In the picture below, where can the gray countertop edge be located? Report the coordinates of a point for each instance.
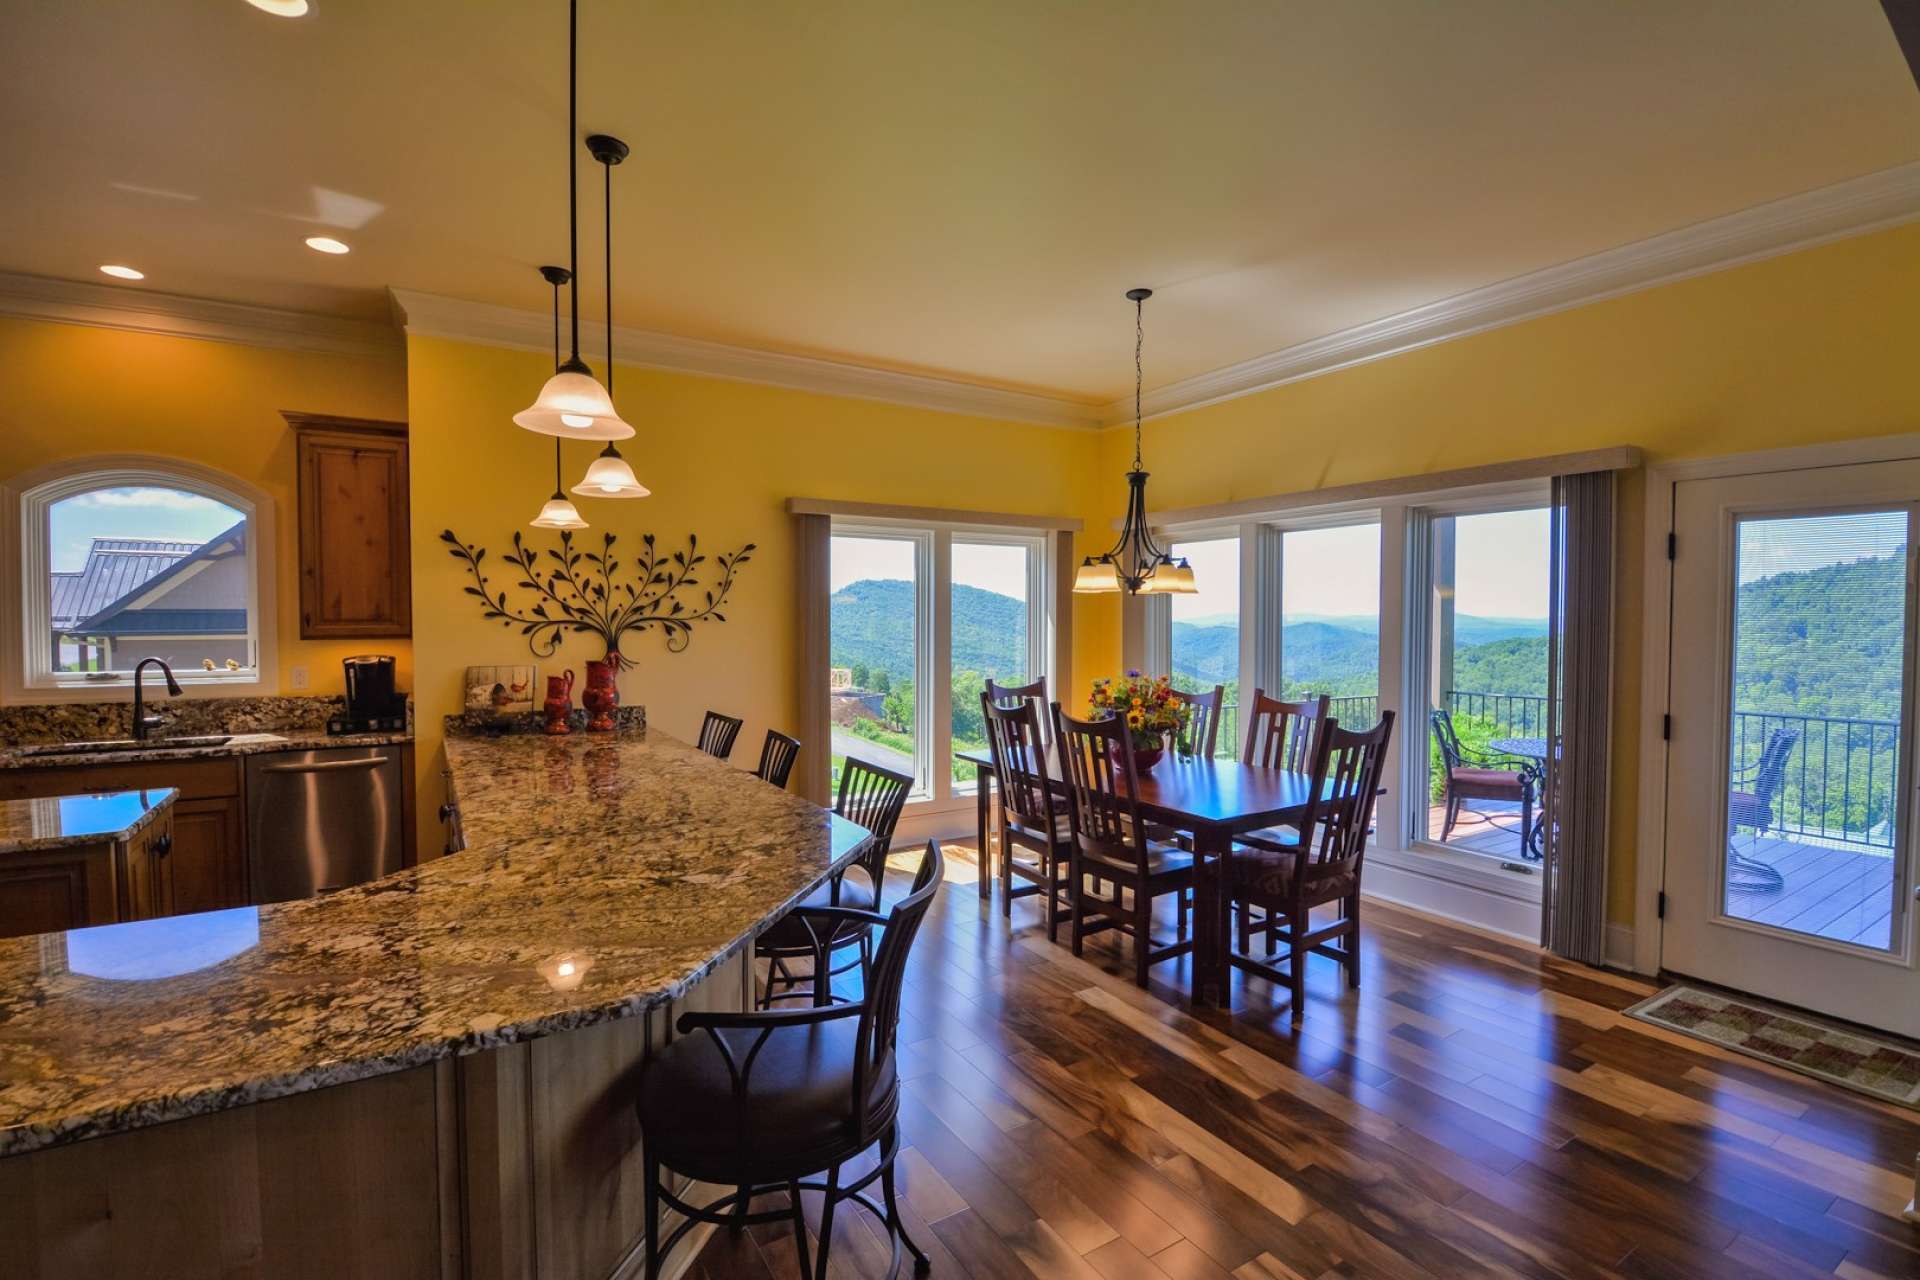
(11, 757)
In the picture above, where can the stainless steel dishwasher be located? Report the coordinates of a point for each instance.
(322, 820)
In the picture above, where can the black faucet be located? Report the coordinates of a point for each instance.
(143, 724)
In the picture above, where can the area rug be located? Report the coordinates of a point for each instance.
(1880, 1067)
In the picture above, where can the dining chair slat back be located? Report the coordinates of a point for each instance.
(717, 733)
(873, 797)
(1097, 757)
(1018, 750)
(1282, 734)
(1347, 768)
(1202, 734)
(777, 755)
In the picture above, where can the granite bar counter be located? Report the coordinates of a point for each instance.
(64, 822)
(498, 993)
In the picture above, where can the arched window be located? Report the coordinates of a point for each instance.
(124, 559)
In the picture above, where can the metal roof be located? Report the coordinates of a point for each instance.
(105, 620)
(114, 567)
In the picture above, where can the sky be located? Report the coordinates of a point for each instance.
(1799, 543)
(999, 568)
(131, 513)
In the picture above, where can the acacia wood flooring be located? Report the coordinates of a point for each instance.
(1476, 1109)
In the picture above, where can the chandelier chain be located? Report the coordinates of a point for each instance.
(1139, 338)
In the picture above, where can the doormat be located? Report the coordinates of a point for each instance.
(1880, 1067)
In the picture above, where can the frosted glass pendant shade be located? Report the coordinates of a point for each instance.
(610, 477)
(559, 513)
(574, 406)
(1170, 580)
(1096, 576)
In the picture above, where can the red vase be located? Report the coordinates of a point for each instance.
(602, 695)
(1144, 758)
(559, 705)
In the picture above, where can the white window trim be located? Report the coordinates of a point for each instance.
(25, 654)
(936, 794)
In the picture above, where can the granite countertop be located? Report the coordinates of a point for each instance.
(242, 744)
(64, 821)
(602, 876)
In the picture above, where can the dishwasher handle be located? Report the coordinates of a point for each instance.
(326, 766)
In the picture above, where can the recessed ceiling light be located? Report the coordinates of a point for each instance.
(124, 273)
(281, 8)
(326, 244)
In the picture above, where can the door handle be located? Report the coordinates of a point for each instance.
(326, 766)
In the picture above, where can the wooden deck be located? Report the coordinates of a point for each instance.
(1831, 893)
(1841, 894)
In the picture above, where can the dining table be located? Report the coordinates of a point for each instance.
(1214, 800)
(1534, 750)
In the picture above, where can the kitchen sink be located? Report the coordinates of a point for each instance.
(109, 745)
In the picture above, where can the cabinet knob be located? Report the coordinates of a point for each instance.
(162, 846)
(447, 811)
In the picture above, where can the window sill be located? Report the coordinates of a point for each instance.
(1469, 870)
(197, 685)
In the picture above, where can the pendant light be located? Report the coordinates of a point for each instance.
(572, 403)
(559, 512)
(609, 476)
(1136, 564)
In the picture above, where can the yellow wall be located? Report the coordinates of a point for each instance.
(1814, 346)
(722, 458)
(70, 391)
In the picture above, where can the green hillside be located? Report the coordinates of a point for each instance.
(873, 627)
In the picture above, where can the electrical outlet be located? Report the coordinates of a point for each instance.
(296, 677)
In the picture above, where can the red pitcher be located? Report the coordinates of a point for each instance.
(559, 703)
(602, 695)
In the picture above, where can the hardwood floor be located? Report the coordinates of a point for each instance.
(1476, 1109)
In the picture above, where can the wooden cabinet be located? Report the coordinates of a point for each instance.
(149, 872)
(47, 891)
(207, 861)
(355, 555)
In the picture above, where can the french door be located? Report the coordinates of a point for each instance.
(1789, 863)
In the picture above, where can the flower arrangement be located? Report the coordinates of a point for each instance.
(1146, 703)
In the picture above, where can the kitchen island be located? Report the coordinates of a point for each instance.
(73, 860)
(430, 1074)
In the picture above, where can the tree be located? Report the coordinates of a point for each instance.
(861, 674)
(882, 682)
(968, 724)
(898, 707)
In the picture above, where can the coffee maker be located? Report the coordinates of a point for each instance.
(373, 704)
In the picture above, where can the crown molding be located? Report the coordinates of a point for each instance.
(137, 310)
(1860, 205)
(436, 316)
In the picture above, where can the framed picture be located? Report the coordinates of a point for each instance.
(505, 690)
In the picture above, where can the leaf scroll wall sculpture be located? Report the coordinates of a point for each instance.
(576, 590)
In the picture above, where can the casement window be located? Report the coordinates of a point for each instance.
(116, 561)
(920, 617)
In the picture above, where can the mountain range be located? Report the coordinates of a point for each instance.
(1824, 642)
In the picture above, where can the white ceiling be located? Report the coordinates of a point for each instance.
(959, 189)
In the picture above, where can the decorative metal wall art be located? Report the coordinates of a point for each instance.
(577, 590)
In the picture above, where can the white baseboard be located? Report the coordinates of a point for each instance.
(1469, 904)
(1620, 947)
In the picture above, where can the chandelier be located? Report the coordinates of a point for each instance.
(1136, 564)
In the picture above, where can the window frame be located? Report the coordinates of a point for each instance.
(26, 673)
(1402, 682)
(935, 791)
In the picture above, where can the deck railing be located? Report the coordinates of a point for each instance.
(1840, 782)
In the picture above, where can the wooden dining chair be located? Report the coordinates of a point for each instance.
(1112, 857)
(777, 755)
(1202, 735)
(871, 797)
(1322, 867)
(1033, 691)
(1031, 818)
(717, 733)
(1280, 734)
(766, 1102)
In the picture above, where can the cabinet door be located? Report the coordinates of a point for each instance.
(50, 890)
(207, 866)
(355, 557)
